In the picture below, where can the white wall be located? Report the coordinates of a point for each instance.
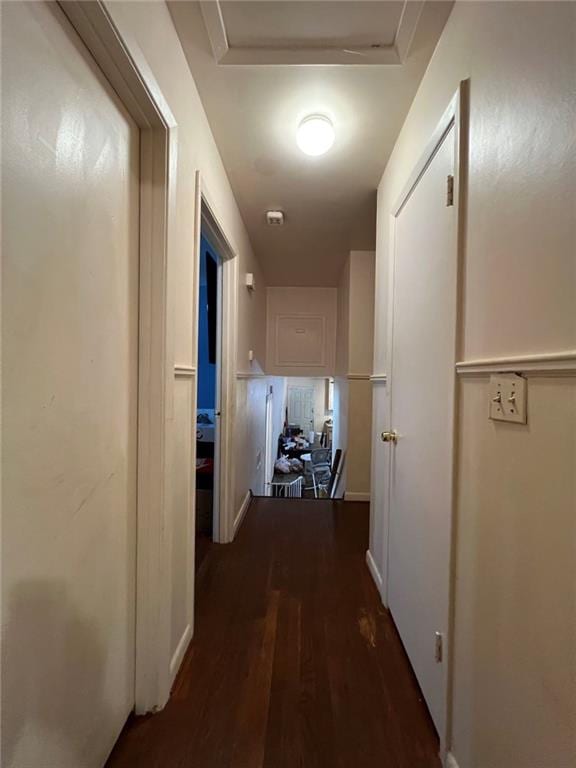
(301, 331)
(514, 682)
(352, 386)
(249, 459)
(150, 35)
(361, 308)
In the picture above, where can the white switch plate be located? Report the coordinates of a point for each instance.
(508, 398)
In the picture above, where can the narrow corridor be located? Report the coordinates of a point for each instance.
(294, 661)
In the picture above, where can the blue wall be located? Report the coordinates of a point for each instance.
(206, 370)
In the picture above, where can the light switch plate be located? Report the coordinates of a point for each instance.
(508, 398)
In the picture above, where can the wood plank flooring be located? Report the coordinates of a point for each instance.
(294, 663)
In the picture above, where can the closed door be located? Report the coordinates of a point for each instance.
(422, 406)
(70, 355)
(301, 407)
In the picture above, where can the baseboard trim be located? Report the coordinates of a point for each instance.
(180, 651)
(374, 572)
(353, 496)
(241, 513)
(450, 761)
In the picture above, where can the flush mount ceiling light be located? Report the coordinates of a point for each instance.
(315, 135)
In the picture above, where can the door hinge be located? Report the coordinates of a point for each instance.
(449, 191)
(439, 647)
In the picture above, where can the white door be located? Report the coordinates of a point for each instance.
(301, 407)
(70, 158)
(422, 413)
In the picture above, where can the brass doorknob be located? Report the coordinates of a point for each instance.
(389, 437)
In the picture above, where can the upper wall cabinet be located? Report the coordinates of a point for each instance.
(301, 331)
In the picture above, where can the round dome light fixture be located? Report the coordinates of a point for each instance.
(315, 135)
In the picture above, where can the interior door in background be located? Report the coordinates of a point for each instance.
(301, 407)
(70, 356)
(422, 408)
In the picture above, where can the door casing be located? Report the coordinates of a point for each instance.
(455, 116)
(207, 221)
(269, 442)
(131, 78)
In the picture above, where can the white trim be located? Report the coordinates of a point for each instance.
(129, 74)
(374, 572)
(214, 21)
(450, 761)
(448, 120)
(242, 512)
(454, 117)
(181, 649)
(356, 496)
(208, 220)
(244, 375)
(184, 371)
(391, 55)
(407, 27)
(550, 363)
(379, 377)
(358, 376)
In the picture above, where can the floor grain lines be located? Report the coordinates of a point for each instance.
(295, 663)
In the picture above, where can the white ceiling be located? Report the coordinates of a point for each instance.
(254, 110)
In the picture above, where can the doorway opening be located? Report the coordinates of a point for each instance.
(215, 321)
(300, 461)
(208, 394)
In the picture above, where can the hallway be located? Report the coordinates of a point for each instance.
(294, 661)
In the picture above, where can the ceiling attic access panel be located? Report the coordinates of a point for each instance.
(347, 32)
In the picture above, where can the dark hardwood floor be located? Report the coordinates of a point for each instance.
(294, 662)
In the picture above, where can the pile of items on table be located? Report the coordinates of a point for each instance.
(302, 465)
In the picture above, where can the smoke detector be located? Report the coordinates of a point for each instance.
(275, 218)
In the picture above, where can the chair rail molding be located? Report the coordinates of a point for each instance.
(379, 378)
(251, 375)
(184, 371)
(544, 364)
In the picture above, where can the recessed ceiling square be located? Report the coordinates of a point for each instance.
(289, 24)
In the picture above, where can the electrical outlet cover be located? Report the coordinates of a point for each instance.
(508, 398)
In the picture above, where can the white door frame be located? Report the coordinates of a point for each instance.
(129, 74)
(455, 116)
(269, 441)
(207, 220)
(312, 388)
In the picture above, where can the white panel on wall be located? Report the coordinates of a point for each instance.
(301, 331)
(300, 340)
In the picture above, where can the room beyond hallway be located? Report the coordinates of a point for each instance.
(294, 662)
